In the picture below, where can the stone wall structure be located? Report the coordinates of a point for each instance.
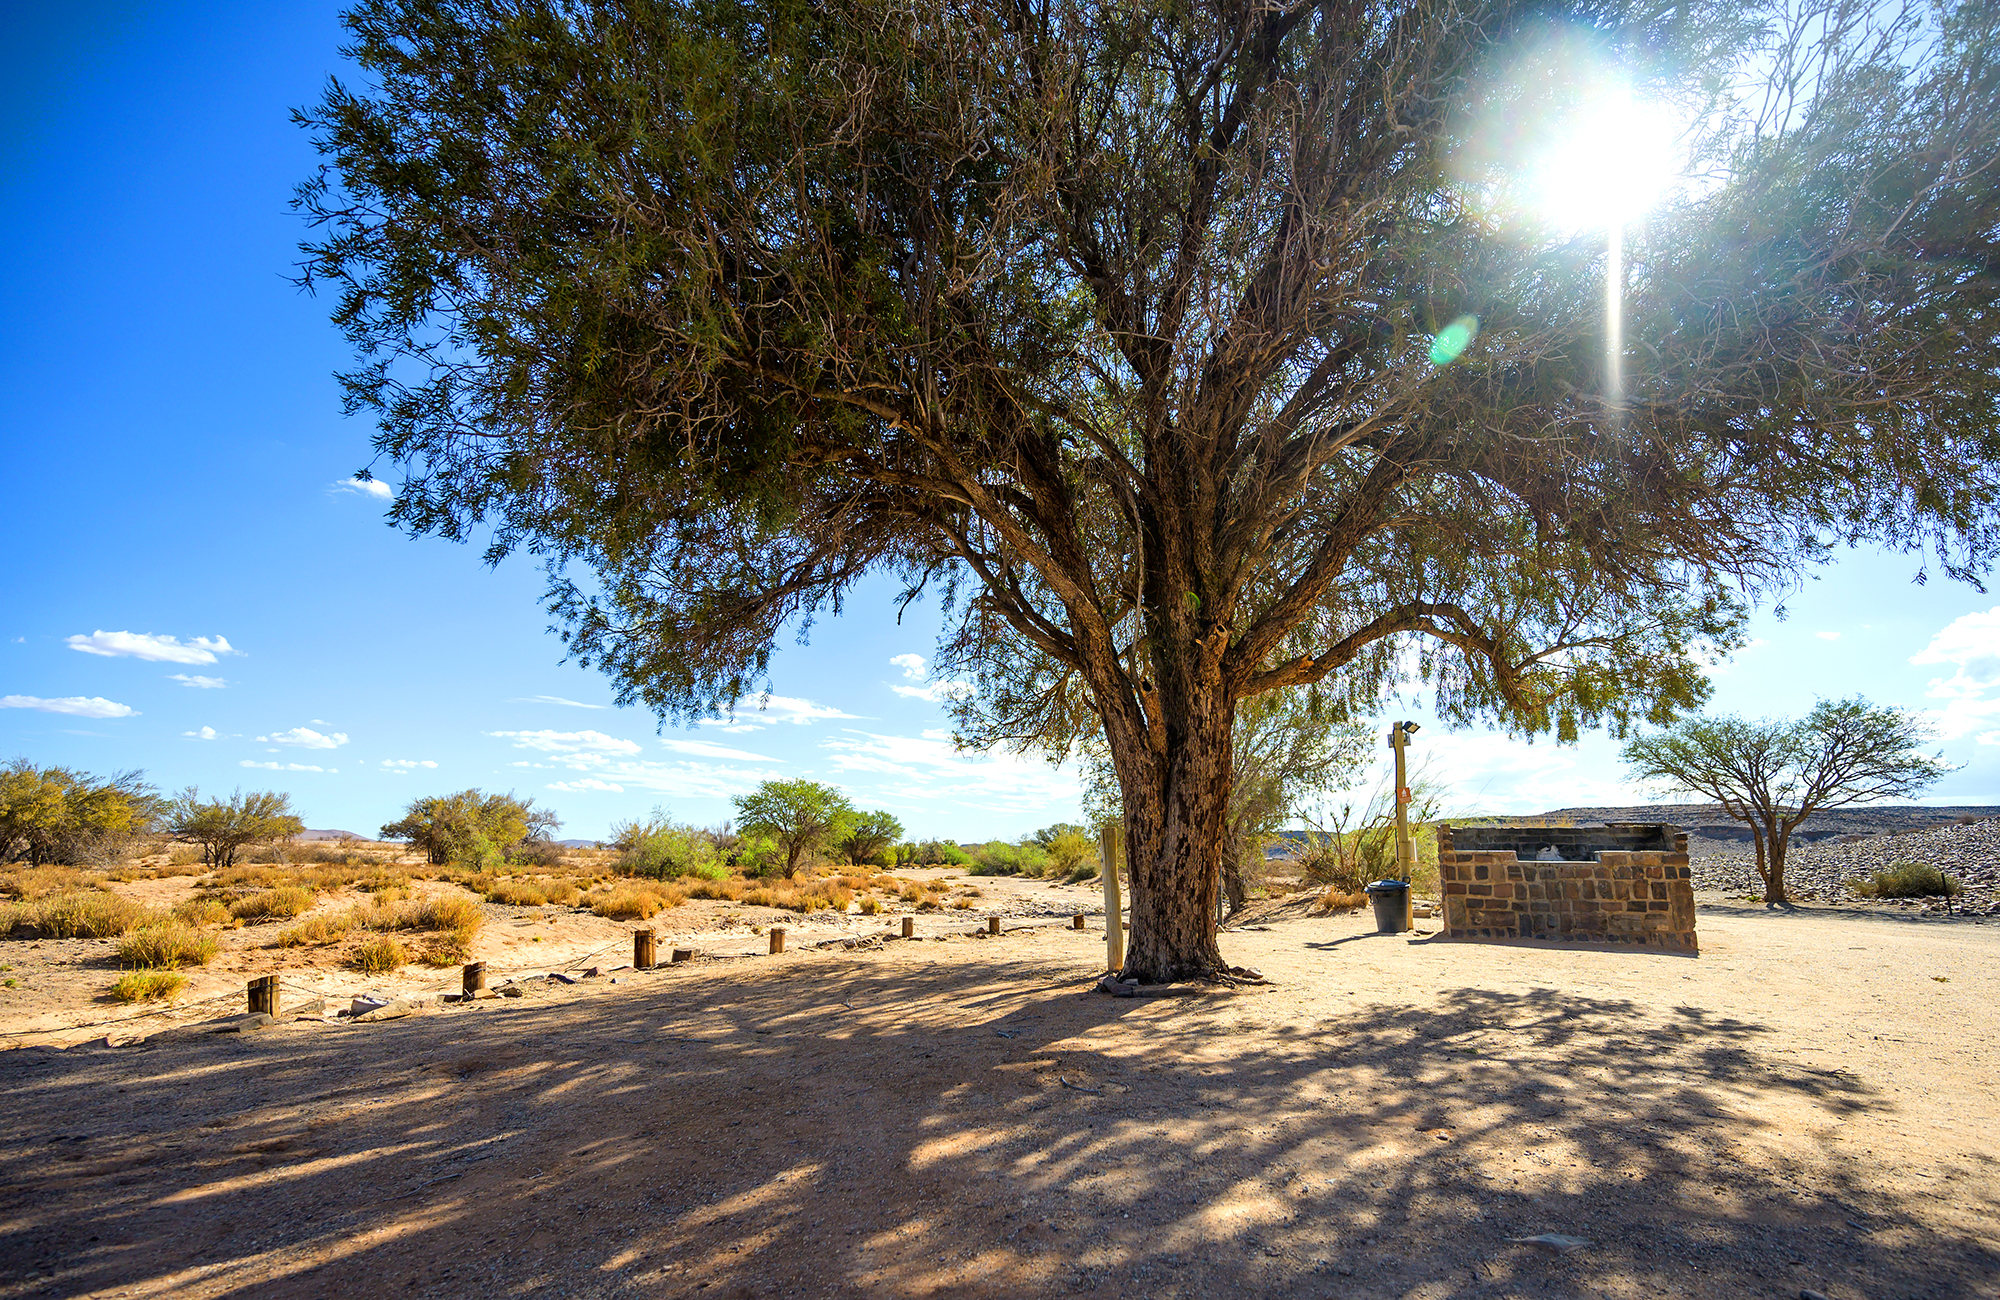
(1623, 883)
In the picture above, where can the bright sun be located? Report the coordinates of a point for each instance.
(1601, 163)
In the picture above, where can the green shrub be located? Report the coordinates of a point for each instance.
(379, 955)
(148, 985)
(166, 946)
(1908, 880)
(662, 850)
(285, 901)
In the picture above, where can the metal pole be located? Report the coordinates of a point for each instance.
(1109, 841)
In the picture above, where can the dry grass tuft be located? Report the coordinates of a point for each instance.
(84, 914)
(148, 985)
(633, 903)
(324, 928)
(284, 901)
(203, 910)
(870, 905)
(534, 892)
(449, 949)
(379, 955)
(1337, 899)
(29, 883)
(166, 946)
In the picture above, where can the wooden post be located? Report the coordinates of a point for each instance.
(474, 977)
(264, 995)
(642, 950)
(1076, 922)
(909, 927)
(777, 938)
(1109, 842)
(992, 925)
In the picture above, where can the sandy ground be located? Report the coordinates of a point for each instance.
(1808, 1104)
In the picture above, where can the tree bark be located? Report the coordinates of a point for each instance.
(1176, 826)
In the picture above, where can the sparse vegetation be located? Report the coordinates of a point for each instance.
(202, 909)
(324, 928)
(166, 946)
(1907, 880)
(531, 892)
(284, 901)
(83, 914)
(380, 955)
(471, 827)
(224, 827)
(631, 903)
(146, 985)
(57, 815)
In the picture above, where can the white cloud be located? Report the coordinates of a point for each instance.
(703, 749)
(81, 706)
(1970, 644)
(933, 691)
(407, 763)
(367, 487)
(677, 780)
(738, 728)
(1487, 772)
(1827, 636)
(586, 784)
(305, 738)
(786, 708)
(159, 649)
(568, 742)
(206, 733)
(552, 699)
(925, 771)
(198, 681)
(285, 767)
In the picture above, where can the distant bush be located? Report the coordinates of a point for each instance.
(534, 893)
(442, 912)
(285, 901)
(148, 985)
(1908, 880)
(633, 904)
(660, 849)
(999, 858)
(166, 946)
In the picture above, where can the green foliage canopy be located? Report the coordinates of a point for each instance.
(57, 815)
(801, 815)
(224, 826)
(471, 826)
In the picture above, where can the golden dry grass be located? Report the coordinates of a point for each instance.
(324, 928)
(284, 901)
(28, 883)
(166, 946)
(379, 955)
(203, 910)
(517, 891)
(83, 914)
(148, 985)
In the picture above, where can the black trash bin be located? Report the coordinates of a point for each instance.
(1392, 904)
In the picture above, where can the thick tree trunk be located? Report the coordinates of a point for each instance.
(1176, 826)
(1774, 880)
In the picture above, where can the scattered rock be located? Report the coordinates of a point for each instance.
(247, 1024)
(395, 1010)
(1118, 988)
(1554, 1242)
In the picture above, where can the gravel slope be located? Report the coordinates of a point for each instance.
(1820, 872)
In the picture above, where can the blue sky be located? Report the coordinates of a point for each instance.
(194, 592)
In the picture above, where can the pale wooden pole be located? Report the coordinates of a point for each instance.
(1110, 842)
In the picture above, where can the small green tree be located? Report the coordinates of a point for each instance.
(472, 826)
(800, 815)
(867, 835)
(224, 826)
(58, 815)
(1773, 774)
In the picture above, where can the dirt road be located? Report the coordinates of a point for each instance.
(1808, 1104)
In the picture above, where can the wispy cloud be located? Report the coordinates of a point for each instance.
(776, 708)
(285, 767)
(305, 738)
(80, 706)
(702, 749)
(925, 770)
(158, 649)
(1970, 644)
(931, 690)
(373, 488)
(568, 742)
(552, 699)
(1827, 636)
(406, 764)
(198, 681)
(587, 784)
(206, 733)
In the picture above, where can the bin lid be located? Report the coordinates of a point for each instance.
(1387, 887)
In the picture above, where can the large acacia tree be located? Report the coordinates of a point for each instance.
(1127, 326)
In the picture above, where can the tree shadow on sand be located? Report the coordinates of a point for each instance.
(852, 1127)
